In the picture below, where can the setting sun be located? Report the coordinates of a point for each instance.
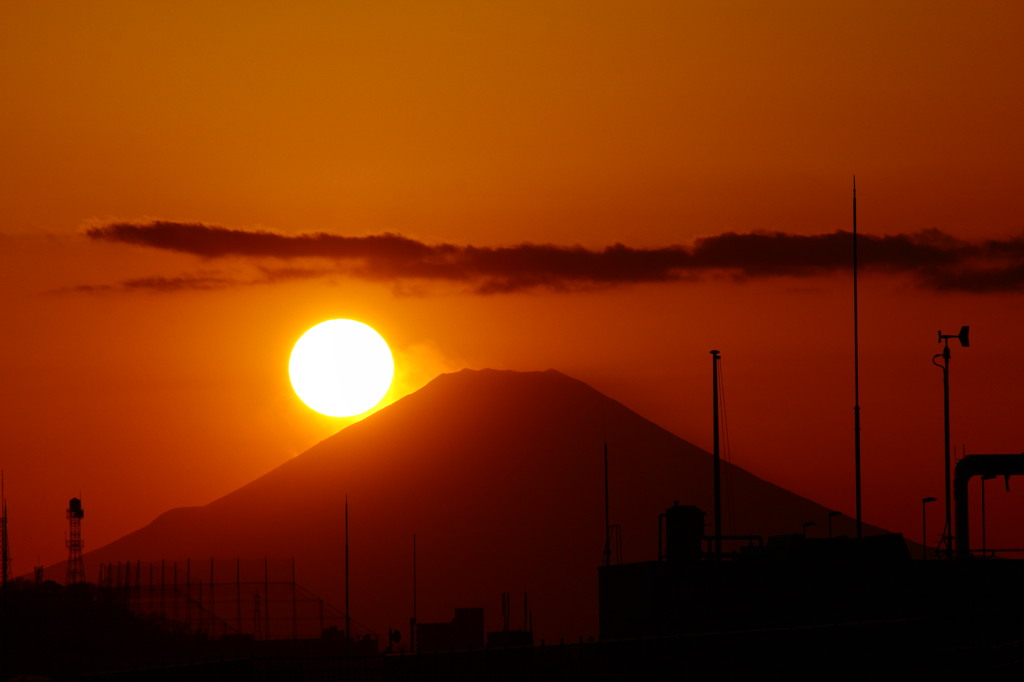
(341, 368)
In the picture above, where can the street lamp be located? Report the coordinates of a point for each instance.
(963, 338)
(832, 515)
(924, 527)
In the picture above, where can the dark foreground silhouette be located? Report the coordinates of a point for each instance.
(801, 621)
(500, 476)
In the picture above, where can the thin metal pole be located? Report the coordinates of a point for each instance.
(924, 528)
(348, 618)
(412, 621)
(213, 600)
(945, 427)
(607, 521)
(295, 617)
(177, 597)
(948, 534)
(238, 594)
(856, 371)
(718, 458)
(5, 556)
(924, 531)
(984, 553)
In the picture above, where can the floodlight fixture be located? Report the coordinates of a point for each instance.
(963, 336)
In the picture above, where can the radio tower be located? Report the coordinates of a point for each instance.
(76, 568)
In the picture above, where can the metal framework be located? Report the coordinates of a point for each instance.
(248, 597)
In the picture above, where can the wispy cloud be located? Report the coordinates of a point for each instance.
(181, 283)
(938, 260)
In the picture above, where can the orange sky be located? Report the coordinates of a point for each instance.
(490, 125)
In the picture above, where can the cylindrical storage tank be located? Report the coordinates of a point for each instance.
(684, 528)
(75, 508)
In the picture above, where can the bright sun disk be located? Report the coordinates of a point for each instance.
(341, 368)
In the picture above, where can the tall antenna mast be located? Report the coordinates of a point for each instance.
(856, 370)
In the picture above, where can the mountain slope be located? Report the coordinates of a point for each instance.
(499, 475)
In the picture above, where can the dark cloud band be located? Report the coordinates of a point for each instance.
(938, 260)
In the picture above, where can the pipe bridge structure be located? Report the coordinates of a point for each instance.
(967, 468)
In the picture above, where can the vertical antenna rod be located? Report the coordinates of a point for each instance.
(856, 371)
(715, 359)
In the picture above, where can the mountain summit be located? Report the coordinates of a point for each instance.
(500, 476)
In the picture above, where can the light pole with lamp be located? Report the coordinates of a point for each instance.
(962, 336)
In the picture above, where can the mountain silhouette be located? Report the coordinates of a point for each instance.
(500, 476)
